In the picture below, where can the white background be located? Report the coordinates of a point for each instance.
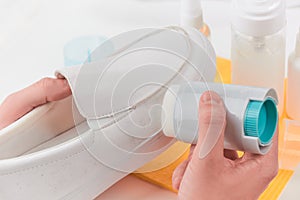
(33, 32)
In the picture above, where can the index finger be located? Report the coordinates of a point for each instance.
(18, 104)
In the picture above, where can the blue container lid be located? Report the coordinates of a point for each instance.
(261, 118)
(86, 49)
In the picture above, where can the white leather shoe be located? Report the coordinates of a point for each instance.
(78, 147)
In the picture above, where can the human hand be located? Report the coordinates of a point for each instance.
(19, 103)
(221, 174)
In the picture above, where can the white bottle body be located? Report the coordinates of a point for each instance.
(181, 105)
(259, 61)
(293, 87)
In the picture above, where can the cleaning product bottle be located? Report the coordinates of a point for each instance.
(191, 16)
(293, 84)
(251, 114)
(258, 44)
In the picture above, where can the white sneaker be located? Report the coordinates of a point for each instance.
(66, 150)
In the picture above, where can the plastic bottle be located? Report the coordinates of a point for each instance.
(293, 85)
(251, 114)
(191, 16)
(258, 44)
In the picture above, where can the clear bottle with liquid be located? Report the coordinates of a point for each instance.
(258, 44)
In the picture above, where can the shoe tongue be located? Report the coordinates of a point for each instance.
(100, 92)
(145, 64)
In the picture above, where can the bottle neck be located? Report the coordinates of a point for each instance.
(297, 49)
(192, 21)
(191, 13)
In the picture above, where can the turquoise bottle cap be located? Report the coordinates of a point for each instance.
(261, 118)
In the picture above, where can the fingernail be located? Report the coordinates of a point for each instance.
(209, 97)
(60, 76)
(65, 82)
(175, 183)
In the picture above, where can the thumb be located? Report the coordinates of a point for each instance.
(212, 123)
(207, 158)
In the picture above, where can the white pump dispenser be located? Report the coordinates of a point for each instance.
(192, 16)
(293, 85)
(258, 44)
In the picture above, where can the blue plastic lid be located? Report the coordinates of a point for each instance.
(261, 118)
(86, 49)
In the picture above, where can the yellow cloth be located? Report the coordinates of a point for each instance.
(163, 176)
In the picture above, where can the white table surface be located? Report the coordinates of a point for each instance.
(33, 33)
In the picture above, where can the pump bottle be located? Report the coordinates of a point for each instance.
(192, 16)
(258, 44)
(293, 84)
